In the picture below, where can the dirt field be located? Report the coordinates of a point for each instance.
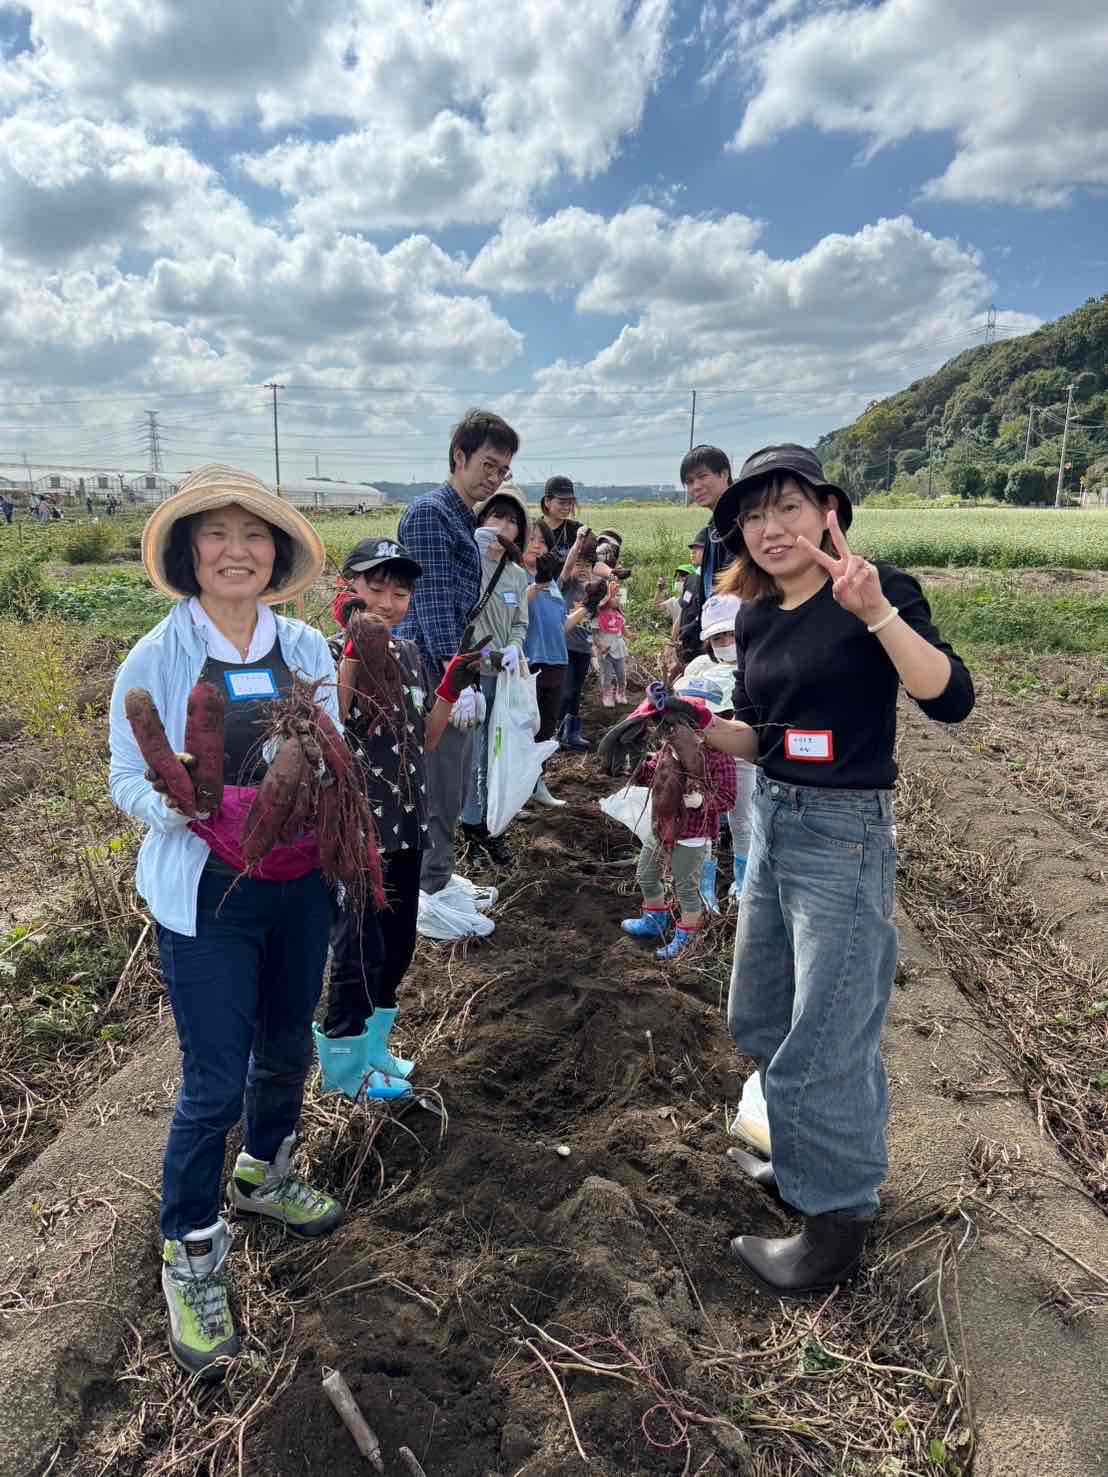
(494, 1302)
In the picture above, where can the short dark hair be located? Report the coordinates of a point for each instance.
(475, 428)
(705, 459)
(180, 570)
(558, 487)
(391, 569)
(506, 506)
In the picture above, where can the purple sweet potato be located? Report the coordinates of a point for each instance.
(204, 741)
(274, 802)
(161, 760)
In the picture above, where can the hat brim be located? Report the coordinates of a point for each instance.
(398, 561)
(308, 556)
(725, 514)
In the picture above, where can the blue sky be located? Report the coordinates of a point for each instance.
(574, 213)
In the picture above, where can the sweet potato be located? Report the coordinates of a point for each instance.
(274, 802)
(336, 755)
(146, 725)
(204, 741)
(381, 681)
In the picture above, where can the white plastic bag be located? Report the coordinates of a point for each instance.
(483, 897)
(515, 759)
(453, 913)
(751, 1122)
(631, 807)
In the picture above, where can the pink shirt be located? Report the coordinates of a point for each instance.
(610, 621)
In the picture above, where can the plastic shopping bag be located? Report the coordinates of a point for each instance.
(631, 807)
(515, 759)
(751, 1122)
(453, 913)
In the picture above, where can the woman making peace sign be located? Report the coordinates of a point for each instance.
(825, 639)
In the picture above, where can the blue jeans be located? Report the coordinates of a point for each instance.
(815, 953)
(477, 801)
(243, 992)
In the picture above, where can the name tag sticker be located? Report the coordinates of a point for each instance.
(686, 597)
(810, 745)
(509, 597)
(241, 686)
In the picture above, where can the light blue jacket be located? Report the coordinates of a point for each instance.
(167, 661)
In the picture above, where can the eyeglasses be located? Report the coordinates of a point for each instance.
(501, 473)
(789, 511)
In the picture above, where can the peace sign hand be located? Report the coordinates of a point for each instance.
(855, 583)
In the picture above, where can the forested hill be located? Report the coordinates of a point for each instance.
(970, 419)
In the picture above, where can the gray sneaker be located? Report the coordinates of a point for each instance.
(201, 1327)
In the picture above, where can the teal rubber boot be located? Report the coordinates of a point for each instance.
(346, 1068)
(377, 1053)
(708, 869)
(650, 924)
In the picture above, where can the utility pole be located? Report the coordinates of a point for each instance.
(1062, 453)
(1027, 443)
(276, 443)
(888, 467)
(153, 441)
(692, 436)
(930, 453)
(990, 325)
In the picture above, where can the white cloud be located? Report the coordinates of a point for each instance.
(1020, 87)
(853, 317)
(73, 188)
(453, 112)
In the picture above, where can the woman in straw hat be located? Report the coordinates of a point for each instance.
(242, 959)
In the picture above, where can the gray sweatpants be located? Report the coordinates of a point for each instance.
(684, 862)
(448, 769)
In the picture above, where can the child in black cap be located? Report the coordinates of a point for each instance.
(371, 951)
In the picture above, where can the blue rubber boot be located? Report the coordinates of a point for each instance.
(377, 1053)
(574, 738)
(342, 1061)
(707, 884)
(735, 890)
(650, 924)
(682, 938)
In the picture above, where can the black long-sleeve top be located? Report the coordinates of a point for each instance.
(817, 671)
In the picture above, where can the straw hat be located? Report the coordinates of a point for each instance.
(216, 486)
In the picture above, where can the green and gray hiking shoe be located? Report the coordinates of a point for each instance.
(201, 1328)
(258, 1188)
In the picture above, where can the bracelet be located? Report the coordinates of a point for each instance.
(883, 622)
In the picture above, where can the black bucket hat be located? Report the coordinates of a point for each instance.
(772, 461)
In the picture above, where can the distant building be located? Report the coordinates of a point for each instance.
(323, 493)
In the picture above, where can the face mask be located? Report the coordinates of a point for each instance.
(725, 652)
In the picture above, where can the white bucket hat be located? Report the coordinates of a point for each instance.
(217, 486)
(718, 615)
(712, 684)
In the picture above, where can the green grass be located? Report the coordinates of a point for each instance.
(997, 613)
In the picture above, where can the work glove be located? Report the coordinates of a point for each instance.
(485, 539)
(159, 785)
(459, 674)
(345, 604)
(509, 659)
(469, 710)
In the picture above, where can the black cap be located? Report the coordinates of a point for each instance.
(699, 542)
(772, 461)
(372, 552)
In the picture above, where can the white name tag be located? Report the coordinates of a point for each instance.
(812, 745)
(509, 597)
(686, 597)
(244, 685)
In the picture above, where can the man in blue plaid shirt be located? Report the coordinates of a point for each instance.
(438, 530)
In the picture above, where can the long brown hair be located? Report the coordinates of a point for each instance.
(746, 578)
